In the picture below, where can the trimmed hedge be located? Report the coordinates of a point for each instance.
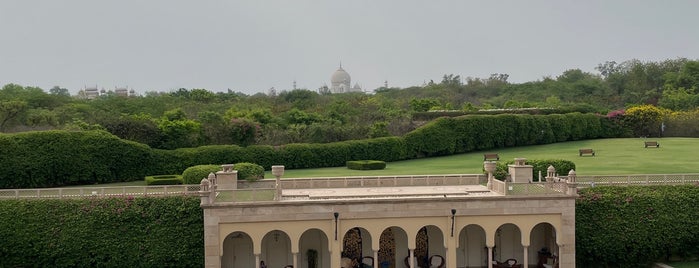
(636, 225)
(163, 180)
(249, 171)
(366, 165)
(194, 175)
(109, 232)
(57, 158)
(538, 165)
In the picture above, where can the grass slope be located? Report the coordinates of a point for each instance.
(613, 156)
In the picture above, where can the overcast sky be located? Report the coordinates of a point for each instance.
(251, 46)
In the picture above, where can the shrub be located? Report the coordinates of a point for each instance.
(249, 171)
(164, 180)
(102, 232)
(366, 165)
(562, 167)
(194, 174)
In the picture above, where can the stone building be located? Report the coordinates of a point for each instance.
(340, 82)
(401, 221)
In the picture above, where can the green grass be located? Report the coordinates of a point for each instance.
(613, 157)
(691, 264)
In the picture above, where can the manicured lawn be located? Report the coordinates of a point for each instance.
(613, 156)
(692, 264)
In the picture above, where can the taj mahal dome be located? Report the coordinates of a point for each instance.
(340, 82)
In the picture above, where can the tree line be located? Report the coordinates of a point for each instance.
(196, 117)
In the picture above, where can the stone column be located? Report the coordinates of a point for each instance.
(526, 255)
(490, 168)
(490, 257)
(335, 242)
(278, 172)
(572, 184)
(227, 178)
(212, 188)
(451, 242)
(257, 260)
(411, 257)
(296, 259)
(376, 259)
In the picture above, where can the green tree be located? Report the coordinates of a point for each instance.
(10, 110)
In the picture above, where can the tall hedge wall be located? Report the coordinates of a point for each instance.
(634, 226)
(450, 135)
(57, 158)
(113, 232)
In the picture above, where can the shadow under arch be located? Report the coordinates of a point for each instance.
(393, 247)
(471, 249)
(356, 243)
(276, 249)
(508, 243)
(314, 249)
(237, 251)
(543, 245)
(429, 241)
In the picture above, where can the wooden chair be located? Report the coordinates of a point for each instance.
(437, 261)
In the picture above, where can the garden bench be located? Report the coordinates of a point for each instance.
(652, 144)
(491, 156)
(587, 151)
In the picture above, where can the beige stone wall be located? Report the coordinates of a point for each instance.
(375, 215)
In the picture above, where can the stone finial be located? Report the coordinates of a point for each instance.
(227, 168)
(278, 170)
(571, 175)
(212, 178)
(551, 171)
(204, 185)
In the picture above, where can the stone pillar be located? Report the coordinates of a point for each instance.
(526, 255)
(212, 188)
(212, 251)
(411, 259)
(489, 167)
(278, 172)
(257, 260)
(490, 257)
(204, 191)
(572, 184)
(376, 259)
(296, 259)
(451, 242)
(335, 242)
(227, 178)
(520, 171)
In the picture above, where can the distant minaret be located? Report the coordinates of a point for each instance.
(294, 84)
(385, 83)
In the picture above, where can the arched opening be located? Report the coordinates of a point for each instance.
(356, 244)
(313, 248)
(393, 247)
(508, 244)
(429, 245)
(237, 251)
(543, 247)
(472, 250)
(276, 249)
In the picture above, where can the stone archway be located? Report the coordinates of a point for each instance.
(237, 251)
(543, 246)
(313, 248)
(276, 249)
(508, 243)
(356, 244)
(472, 250)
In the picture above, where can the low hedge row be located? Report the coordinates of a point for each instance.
(366, 165)
(111, 232)
(636, 225)
(163, 180)
(57, 158)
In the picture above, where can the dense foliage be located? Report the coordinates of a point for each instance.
(197, 117)
(249, 171)
(635, 226)
(163, 180)
(112, 232)
(56, 158)
(194, 174)
(539, 166)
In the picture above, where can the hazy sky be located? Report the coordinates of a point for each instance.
(250, 46)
